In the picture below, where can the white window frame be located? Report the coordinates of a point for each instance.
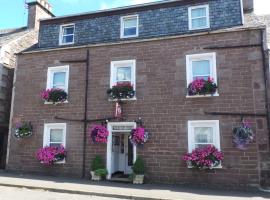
(197, 57)
(116, 64)
(61, 34)
(203, 123)
(190, 18)
(122, 33)
(50, 74)
(48, 127)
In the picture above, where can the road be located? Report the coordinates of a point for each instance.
(11, 193)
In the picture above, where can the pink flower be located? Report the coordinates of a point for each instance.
(49, 155)
(99, 133)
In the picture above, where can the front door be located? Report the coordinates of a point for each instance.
(121, 154)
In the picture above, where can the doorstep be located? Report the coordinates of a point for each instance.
(120, 190)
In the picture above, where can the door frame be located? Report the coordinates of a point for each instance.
(109, 145)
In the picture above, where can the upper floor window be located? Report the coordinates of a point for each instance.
(203, 133)
(129, 26)
(198, 17)
(123, 71)
(67, 34)
(201, 66)
(54, 134)
(57, 77)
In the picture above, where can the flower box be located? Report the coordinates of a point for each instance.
(54, 96)
(202, 87)
(121, 91)
(51, 155)
(208, 157)
(23, 130)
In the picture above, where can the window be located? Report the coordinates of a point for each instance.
(198, 17)
(130, 26)
(57, 77)
(123, 71)
(54, 134)
(202, 133)
(201, 66)
(66, 34)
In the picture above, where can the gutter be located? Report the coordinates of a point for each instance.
(145, 40)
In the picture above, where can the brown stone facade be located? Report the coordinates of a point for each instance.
(161, 102)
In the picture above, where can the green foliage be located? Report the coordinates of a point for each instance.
(101, 172)
(139, 166)
(97, 163)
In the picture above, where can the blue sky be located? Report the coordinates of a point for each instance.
(13, 13)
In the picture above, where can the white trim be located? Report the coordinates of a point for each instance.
(46, 133)
(122, 26)
(206, 6)
(203, 123)
(242, 12)
(116, 64)
(197, 57)
(52, 70)
(61, 34)
(109, 144)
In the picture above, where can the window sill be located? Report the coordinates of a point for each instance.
(65, 44)
(51, 103)
(131, 99)
(58, 162)
(201, 96)
(130, 36)
(217, 167)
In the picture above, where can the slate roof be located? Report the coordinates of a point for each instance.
(7, 35)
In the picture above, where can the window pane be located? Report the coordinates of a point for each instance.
(130, 31)
(201, 69)
(56, 136)
(200, 22)
(59, 79)
(203, 135)
(68, 30)
(198, 12)
(68, 39)
(132, 22)
(200, 145)
(123, 74)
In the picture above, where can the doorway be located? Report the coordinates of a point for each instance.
(121, 153)
(3, 146)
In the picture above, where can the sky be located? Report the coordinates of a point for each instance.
(13, 13)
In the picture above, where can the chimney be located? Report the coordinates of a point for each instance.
(38, 9)
(248, 5)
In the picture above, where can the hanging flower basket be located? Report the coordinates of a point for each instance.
(243, 136)
(138, 136)
(204, 158)
(99, 134)
(54, 95)
(120, 91)
(202, 87)
(23, 130)
(51, 155)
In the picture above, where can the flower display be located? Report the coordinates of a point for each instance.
(204, 158)
(23, 130)
(50, 155)
(123, 90)
(99, 134)
(138, 136)
(54, 95)
(243, 135)
(202, 87)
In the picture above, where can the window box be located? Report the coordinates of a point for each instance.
(66, 36)
(201, 75)
(129, 26)
(198, 17)
(54, 96)
(121, 91)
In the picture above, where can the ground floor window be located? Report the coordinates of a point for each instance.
(202, 133)
(54, 134)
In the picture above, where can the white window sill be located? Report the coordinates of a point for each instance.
(201, 96)
(51, 103)
(131, 99)
(199, 28)
(217, 167)
(63, 44)
(58, 162)
(129, 36)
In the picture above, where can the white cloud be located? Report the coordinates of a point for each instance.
(262, 6)
(118, 3)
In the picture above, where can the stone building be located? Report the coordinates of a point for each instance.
(13, 41)
(160, 49)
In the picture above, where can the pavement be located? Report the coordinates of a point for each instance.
(123, 190)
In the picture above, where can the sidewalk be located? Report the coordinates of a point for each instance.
(126, 191)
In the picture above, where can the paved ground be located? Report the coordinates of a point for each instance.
(11, 193)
